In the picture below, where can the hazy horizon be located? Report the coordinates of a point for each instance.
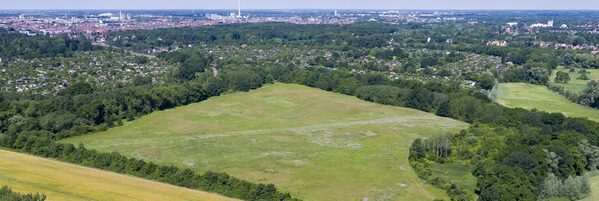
(283, 9)
(299, 5)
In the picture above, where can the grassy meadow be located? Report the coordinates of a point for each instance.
(317, 145)
(64, 182)
(529, 96)
(574, 84)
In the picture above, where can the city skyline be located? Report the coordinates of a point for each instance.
(306, 4)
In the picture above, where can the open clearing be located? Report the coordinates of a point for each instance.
(317, 145)
(575, 84)
(529, 96)
(64, 182)
(455, 172)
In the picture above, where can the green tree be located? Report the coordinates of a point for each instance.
(429, 61)
(191, 66)
(537, 75)
(591, 153)
(562, 77)
(590, 95)
(579, 41)
(417, 150)
(78, 89)
(583, 74)
(486, 81)
(551, 187)
(570, 189)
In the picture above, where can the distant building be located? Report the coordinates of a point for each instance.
(497, 43)
(540, 25)
(214, 16)
(512, 24)
(105, 15)
(328, 54)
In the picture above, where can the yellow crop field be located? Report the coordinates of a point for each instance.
(63, 182)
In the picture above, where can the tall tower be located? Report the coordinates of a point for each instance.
(239, 8)
(121, 17)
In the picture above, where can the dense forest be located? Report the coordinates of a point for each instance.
(361, 35)
(15, 45)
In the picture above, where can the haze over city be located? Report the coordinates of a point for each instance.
(305, 4)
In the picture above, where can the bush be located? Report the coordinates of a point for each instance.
(422, 169)
(6, 194)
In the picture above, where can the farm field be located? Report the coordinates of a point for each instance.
(315, 144)
(529, 96)
(63, 182)
(574, 84)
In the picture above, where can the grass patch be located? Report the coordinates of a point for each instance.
(529, 96)
(63, 181)
(575, 84)
(455, 172)
(317, 145)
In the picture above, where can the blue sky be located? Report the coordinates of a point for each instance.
(298, 4)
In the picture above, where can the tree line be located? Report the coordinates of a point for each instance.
(581, 60)
(38, 143)
(589, 96)
(7, 194)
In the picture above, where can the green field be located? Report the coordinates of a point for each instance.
(317, 145)
(575, 84)
(64, 182)
(530, 96)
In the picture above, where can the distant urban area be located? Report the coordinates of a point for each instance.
(95, 24)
